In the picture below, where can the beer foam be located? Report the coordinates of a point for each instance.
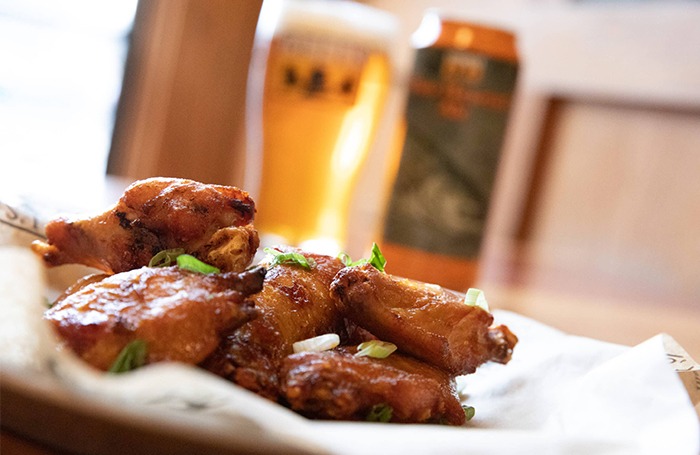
(343, 20)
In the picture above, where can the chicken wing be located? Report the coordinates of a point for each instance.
(341, 386)
(241, 324)
(425, 321)
(294, 304)
(208, 221)
(181, 315)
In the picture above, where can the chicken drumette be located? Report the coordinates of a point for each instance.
(425, 321)
(210, 222)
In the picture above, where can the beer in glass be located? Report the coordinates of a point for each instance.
(319, 84)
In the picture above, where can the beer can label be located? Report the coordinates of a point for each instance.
(456, 118)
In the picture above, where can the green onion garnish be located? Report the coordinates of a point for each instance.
(317, 344)
(177, 256)
(346, 259)
(476, 297)
(191, 263)
(376, 259)
(380, 413)
(166, 258)
(131, 357)
(376, 349)
(289, 258)
(469, 411)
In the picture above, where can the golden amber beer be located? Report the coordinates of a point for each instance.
(326, 80)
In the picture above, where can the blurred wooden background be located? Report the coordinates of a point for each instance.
(182, 111)
(597, 207)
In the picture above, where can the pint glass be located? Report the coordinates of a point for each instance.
(318, 88)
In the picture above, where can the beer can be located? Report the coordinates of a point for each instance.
(459, 98)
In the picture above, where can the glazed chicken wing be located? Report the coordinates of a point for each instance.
(294, 304)
(181, 315)
(210, 222)
(425, 321)
(341, 386)
(241, 324)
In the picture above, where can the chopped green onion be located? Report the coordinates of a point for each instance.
(184, 261)
(165, 258)
(380, 413)
(346, 259)
(317, 344)
(131, 357)
(476, 297)
(290, 258)
(376, 349)
(469, 411)
(376, 259)
(191, 263)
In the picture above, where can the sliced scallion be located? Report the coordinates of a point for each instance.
(165, 258)
(469, 412)
(346, 259)
(317, 344)
(476, 297)
(380, 413)
(191, 263)
(376, 259)
(132, 356)
(376, 349)
(289, 258)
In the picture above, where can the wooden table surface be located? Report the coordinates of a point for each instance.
(13, 444)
